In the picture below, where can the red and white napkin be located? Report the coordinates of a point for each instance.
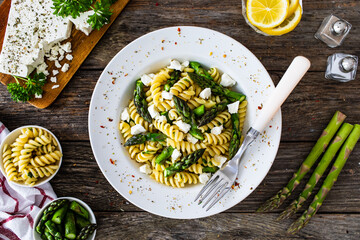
(19, 205)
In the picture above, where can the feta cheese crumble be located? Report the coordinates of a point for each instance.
(53, 79)
(183, 126)
(174, 64)
(125, 115)
(191, 138)
(175, 154)
(206, 93)
(153, 112)
(217, 130)
(55, 86)
(233, 107)
(81, 22)
(167, 95)
(55, 72)
(145, 169)
(65, 68)
(57, 64)
(204, 177)
(66, 47)
(38, 95)
(161, 119)
(227, 81)
(146, 79)
(137, 129)
(69, 57)
(219, 160)
(185, 64)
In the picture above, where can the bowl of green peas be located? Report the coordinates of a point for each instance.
(65, 218)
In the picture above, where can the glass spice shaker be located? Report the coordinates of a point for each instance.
(333, 31)
(341, 67)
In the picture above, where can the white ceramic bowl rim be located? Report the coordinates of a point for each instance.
(10, 135)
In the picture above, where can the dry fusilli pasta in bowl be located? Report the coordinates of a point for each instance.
(30, 156)
(183, 123)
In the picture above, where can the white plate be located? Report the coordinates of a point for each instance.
(148, 54)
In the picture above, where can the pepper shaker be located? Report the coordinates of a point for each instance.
(333, 31)
(341, 67)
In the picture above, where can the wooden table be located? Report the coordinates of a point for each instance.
(305, 114)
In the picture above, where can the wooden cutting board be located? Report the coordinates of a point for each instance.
(81, 48)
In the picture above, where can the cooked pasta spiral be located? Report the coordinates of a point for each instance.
(180, 86)
(170, 181)
(184, 146)
(242, 114)
(149, 152)
(185, 177)
(9, 167)
(196, 102)
(46, 159)
(172, 131)
(196, 168)
(220, 139)
(137, 118)
(215, 74)
(40, 172)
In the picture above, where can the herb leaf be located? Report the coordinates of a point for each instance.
(25, 92)
(101, 14)
(64, 8)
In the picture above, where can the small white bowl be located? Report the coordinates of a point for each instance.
(92, 219)
(10, 139)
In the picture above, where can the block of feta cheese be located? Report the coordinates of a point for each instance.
(81, 22)
(30, 28)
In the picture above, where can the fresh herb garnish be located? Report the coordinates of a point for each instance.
(30, 175)
(25, 92)
(73, 8)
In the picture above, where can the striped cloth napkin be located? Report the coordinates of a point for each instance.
(19, 205)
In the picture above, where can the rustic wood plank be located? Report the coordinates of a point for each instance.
(79, 176)
(305, 113)
(225, 16)
(223, 226)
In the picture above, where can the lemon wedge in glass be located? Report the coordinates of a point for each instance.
(287, 26)
(267, 13)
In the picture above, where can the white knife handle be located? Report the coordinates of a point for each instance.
(288, 82)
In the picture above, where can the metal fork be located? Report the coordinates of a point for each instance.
(221, 182)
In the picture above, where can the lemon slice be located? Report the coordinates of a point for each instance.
(287, 26)
(293, 4)
(267, 13)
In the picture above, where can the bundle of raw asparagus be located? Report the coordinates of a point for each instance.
(347, 137)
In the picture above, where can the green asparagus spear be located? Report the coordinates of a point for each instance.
(316, 151)
(86, 232)
(81, 222)
(329, 180)
(200, 110)
(174, 77)
(60, 214)
(165, 154)
(70, 228)
(188, 116)
(52, 229)
(142, 138)
(184, 163)
(210, 169)
(213, 112)
(140, 101)
(48, 235)
(79, 210)
(200, 70)
(236, 135)
(216, 89)
(319, 171)
(48, 212)
(43, 237)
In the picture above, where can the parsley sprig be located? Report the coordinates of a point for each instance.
(26, 91)
(73, 8)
